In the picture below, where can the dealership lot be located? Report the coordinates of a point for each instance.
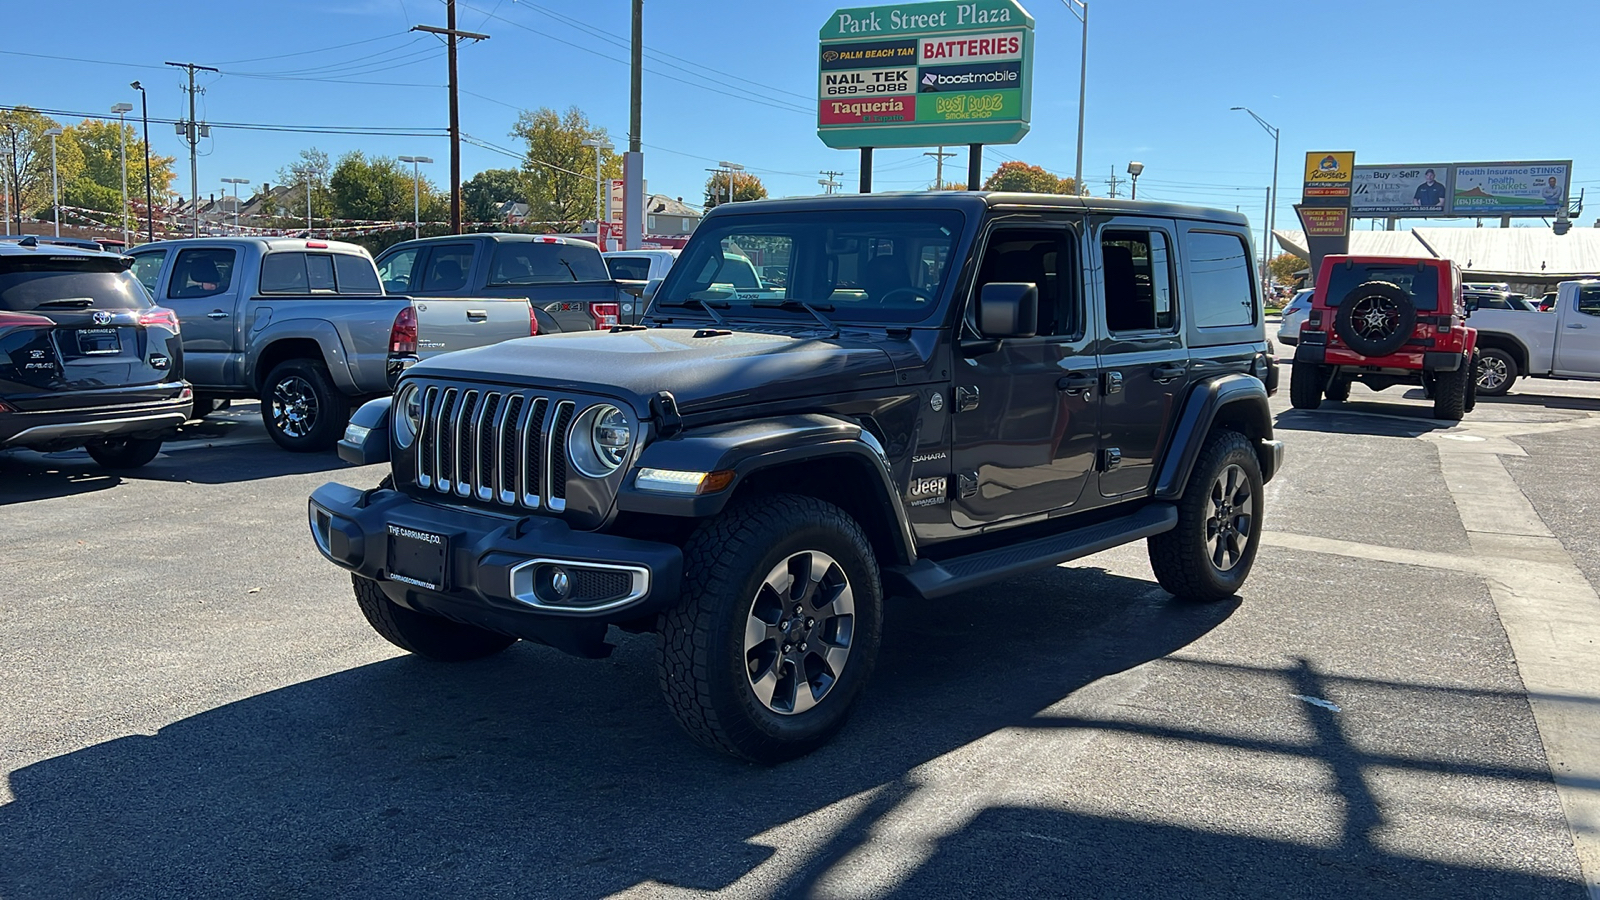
(195, 704)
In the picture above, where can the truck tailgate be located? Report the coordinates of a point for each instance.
(450, 324)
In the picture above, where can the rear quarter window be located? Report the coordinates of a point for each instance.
(1220, 292)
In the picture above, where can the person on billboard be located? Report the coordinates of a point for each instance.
(1429, 192)
(1550, 193)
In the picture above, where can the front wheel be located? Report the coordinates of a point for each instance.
(1209, 554)
(778, 629)
(301, 408)
(123, 452)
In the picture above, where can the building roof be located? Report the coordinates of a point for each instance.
(1479, 251)
(662, 205)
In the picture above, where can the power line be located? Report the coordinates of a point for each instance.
(344, 46)
(376, 131)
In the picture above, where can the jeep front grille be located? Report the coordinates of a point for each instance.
(508, 448)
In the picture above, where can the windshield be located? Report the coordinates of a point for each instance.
(94, 282)
(859, 266)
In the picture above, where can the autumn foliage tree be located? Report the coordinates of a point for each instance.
(558, 169)
(745, 187)
(1019, 176)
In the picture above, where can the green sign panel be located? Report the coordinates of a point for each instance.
(925, 74)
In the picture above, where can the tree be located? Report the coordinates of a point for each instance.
(745, 187)
(1284, 266)
(312, 165)
(483, 193)
(378, 189)
(558, 170)
(1019, 176)
(27, 159)
(98, 184)
(948, 186)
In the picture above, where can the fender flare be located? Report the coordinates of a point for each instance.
(1504, 337)
(748, 447)
(323, 332)
(1235, 398)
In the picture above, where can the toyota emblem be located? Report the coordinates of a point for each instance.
(101, 317)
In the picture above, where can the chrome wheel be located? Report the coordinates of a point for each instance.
(1228, 528)
(294, 406)
(1492, 373)
(799, 632)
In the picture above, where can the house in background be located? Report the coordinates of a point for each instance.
(669, 217)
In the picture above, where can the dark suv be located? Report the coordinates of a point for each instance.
(85, 358)
(950, 388)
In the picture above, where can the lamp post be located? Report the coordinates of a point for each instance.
(235, 182)
(600, 147)
(149, 200)
(1134, 168)
(732, 168)
(55, 182)
(416, 191)
(306, 172)
(1272, 198)
(122, 109)
(1080, 8)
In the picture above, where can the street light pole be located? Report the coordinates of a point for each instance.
(416, 191)
(306, 173)
(122, 109)
(732, 168)
(235, 182)
(1080, 8)
(1134, 169)
(1272, 198)
(599, 183)
(55, 183)
(149, 191)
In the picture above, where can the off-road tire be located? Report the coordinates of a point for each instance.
(702, 638)
(1305, 385)
(1450, 393)
(1404, 310)
(123, 452)
(1181, 557)
(1501, 357)
(1472, 384)
(1338, 390)
(331, 408)
(433, 637)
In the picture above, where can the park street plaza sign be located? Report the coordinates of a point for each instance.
(924, 74)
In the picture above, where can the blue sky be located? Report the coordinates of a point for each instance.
(1395, 81)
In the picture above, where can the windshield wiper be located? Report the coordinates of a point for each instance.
(799, 306)
(710, 306)
(78, 302)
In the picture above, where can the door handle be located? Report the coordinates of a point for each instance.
(1576, 325)
(1167, 373)
(216, 314)
(477, 315)
(1076, 383)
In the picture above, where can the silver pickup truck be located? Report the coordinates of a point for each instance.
(305, 326)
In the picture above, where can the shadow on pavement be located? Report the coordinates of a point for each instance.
(535, 774)
(1585, 404)
(1374, 419)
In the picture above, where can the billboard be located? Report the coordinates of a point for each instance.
(924, 74)
(1328, 174)
(1461, 189)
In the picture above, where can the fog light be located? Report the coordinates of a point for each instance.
(553, 584)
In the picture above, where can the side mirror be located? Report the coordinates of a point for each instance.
(1472, 305)
(366, 438)
(1008, 310)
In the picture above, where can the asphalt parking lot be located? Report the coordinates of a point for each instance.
(1402, 703)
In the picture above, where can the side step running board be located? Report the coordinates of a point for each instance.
(928, 579)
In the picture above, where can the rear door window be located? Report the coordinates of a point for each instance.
(147, 269)
(201, 272)
(29, 283)
(1138, 280)
(355, 274)
(447, 268)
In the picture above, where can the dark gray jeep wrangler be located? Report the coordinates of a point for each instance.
(947, 389)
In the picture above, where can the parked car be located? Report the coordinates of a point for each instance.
(1294, 315)
(304, 326)
(1492, 286)
(639, 265)
(1566, 345)
(1011, 382)
(51, 240)
(1384, 321)
(564, 279)
(1547, 301)
(1498, 300)
(86, 360)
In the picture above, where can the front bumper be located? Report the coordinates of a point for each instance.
(494, 562)
(73, 427)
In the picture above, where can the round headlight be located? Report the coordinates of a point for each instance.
(406, 414)
(600, 440)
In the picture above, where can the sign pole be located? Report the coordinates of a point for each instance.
(866, 170)
(974, 167)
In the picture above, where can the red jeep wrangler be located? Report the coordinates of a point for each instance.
(1383, 321)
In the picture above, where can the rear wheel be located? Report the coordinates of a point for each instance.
(1495, 372)
(1338, 390)
(431, 636)
(1450, 393)
(301, 408)
(1209, 554)
(123, 452)
(1472, 383)
(1305, 385)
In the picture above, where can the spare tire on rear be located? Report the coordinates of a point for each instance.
(1376, 318)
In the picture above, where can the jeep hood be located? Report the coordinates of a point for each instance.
(703, 373)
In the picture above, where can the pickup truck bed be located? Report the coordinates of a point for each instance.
(1563, 343)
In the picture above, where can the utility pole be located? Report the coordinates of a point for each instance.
(451, 36)
(633, 162)
(831, 183)
(1114, 181)
(938, 167)
(122, 110)
(1080, 9)
(192, 132)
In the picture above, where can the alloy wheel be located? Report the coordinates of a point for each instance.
(1232, 518)
(799, 632)
(1375, 318)
(1491, 373)
(294, 406)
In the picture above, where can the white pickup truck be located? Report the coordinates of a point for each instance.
(1564, 343)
